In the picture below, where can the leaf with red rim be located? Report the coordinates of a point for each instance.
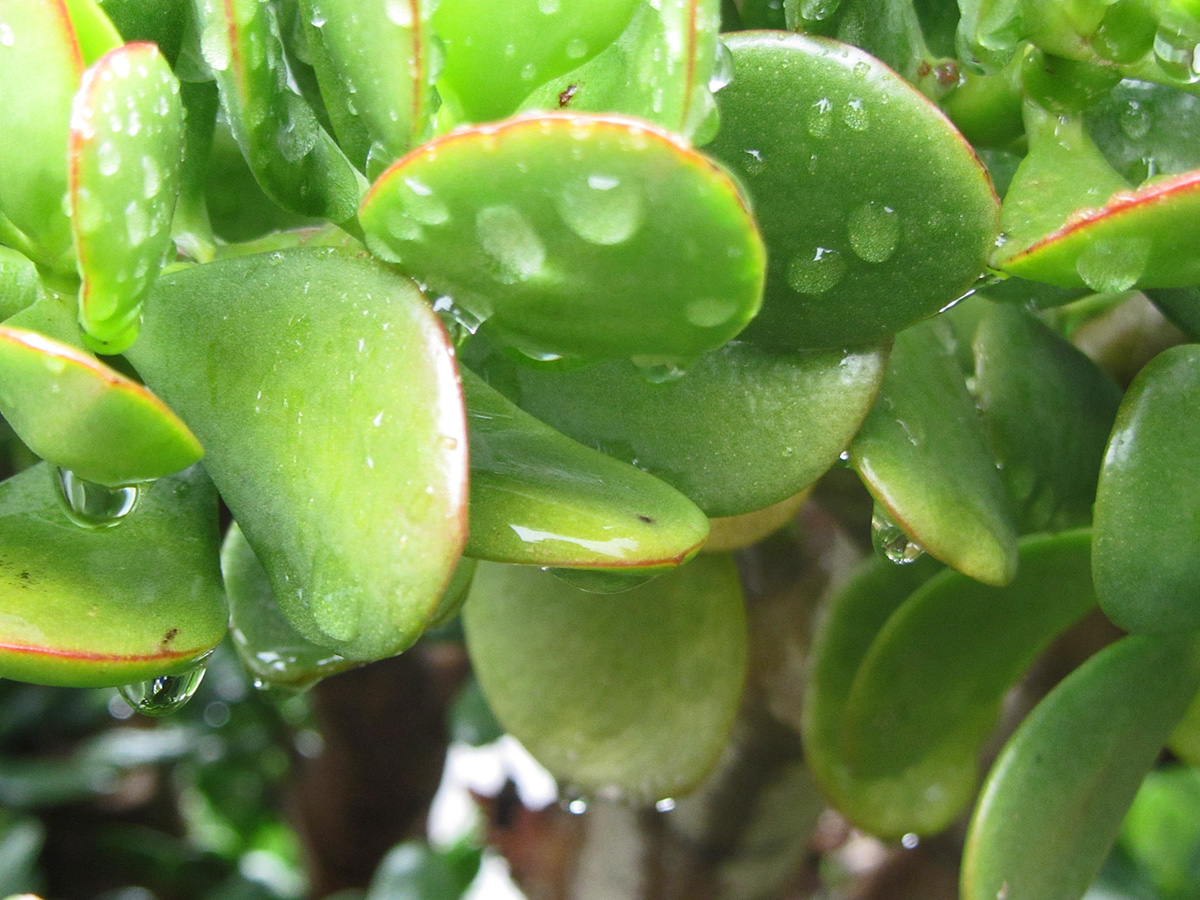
(593, 237)
(104, 608)
(124, 162)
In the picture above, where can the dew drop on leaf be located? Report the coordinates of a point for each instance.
(874, 231)
(94, 506)
(601, 210)
(511, 243)
(722, 72)
(890, 540)
(817, 273)
(1114, 265)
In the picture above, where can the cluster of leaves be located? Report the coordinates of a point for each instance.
(533, 345)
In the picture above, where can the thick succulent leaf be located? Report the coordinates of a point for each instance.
(937, 673)
(663, 68)
(923, 454)
(582, 236)
(496, 54)
(325, 393)
(1148, 500)
(1054, 800)
(633, 694)
(1147, 129)
(888, 807)
(743, 429)
(538, 497)
(124, 159)
(159, 23)
(1181, 306)
(1048, 410)
(109, 607)
(737, 532)
(77, 413)
(375, 65)
(1184, 741)
(274, 652)
(19, 285)
(875, 210)
(293, 158)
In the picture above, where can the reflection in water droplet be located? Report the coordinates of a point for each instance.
(91, 505)
(855, 115)
(816, 274)
(861, 68)
(874, 231)
(422, 204)
(165, 694)
(753, 163)
(665, 805)
(1113, 265)
(658, 371)
(722, 72)
(910, 841)
(890, 540)
(601, 209)
(511, 242)
(1134, 120)
(820, 117)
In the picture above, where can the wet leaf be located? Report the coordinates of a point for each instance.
(923, 454)
(875, 210)
(743, 429)
(539, 498)
(556, 230)
(1146, 130)
(324, 391)
(104, 608)
(632, 694)
(1147, 512)
(1078, 758)
(125, 155)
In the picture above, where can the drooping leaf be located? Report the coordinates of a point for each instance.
(1148, 500)
(923, 454)
(124, 159)
(325, 393)
(539, 498)
(108, 607)
(633, 693)
(592, 237)
(1055, 798)
(875, 210)
(743, 429)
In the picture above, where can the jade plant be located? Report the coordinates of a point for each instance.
(323, 319)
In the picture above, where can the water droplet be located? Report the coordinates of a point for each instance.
(549, 7)
(576, 48)
(152, 177)
(1134, 120)
(890, 539)
(816, 274)
(1175, 46)
(6, 35)
(820, 117)
(91, 505)
(665, 805)
(399, 12)
(214, 42)
(528, 72)
(861, 68)
(709, 312)
(855, 115)
(423, 205)
(108, 158)
(753, 163)
(165, 694)
(722, 72)
(137, 222)
(874, 231)
(657, 370)
(511, 242)
(572, 799)
(910, 841)
(601, 209)
(1114, 265)
(817, 10)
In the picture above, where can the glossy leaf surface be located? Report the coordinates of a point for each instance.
(1148, 500)
(582, 236)
(743, 429)
(77, 413)
(937, 673)
(1077, 760)
(125, 155)
(1147, 129)
(104, 608)
(923, 454)
(325, 394)
(539, 498)
(293, 158)
(875, 210)
(1048, 410)
(633, 693)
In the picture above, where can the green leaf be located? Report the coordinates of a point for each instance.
(105, 608)
(375, 63)
(19, 285)
(539, 498)
(633, 693)
(1181, 306)
(923, 454)
(875, 210)
(124, 159)
(1147, 129)
(1147, 506)
(1054, 800)
(293, 158)
(937, 673)
(558, 229)
(77, 413)
(324, 391)
(414, 871)
(1048, 410)
(744, 428)
(1161, 831)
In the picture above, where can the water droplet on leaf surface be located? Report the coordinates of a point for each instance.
(91, 505)
(722, 72)
(817, 273)
(1114, 265)
(874, 231)
(601, 210)
(511, 242)
(891, 541)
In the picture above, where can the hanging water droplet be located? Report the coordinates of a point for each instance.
(816, 274)
(666, 804)
(820, 117)
(722, 72)
(511, 242)
(891, 540)
(165, 694)
(910, 841)
(874, 231)
(572, 800)
(91, 505)
(657, 370)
